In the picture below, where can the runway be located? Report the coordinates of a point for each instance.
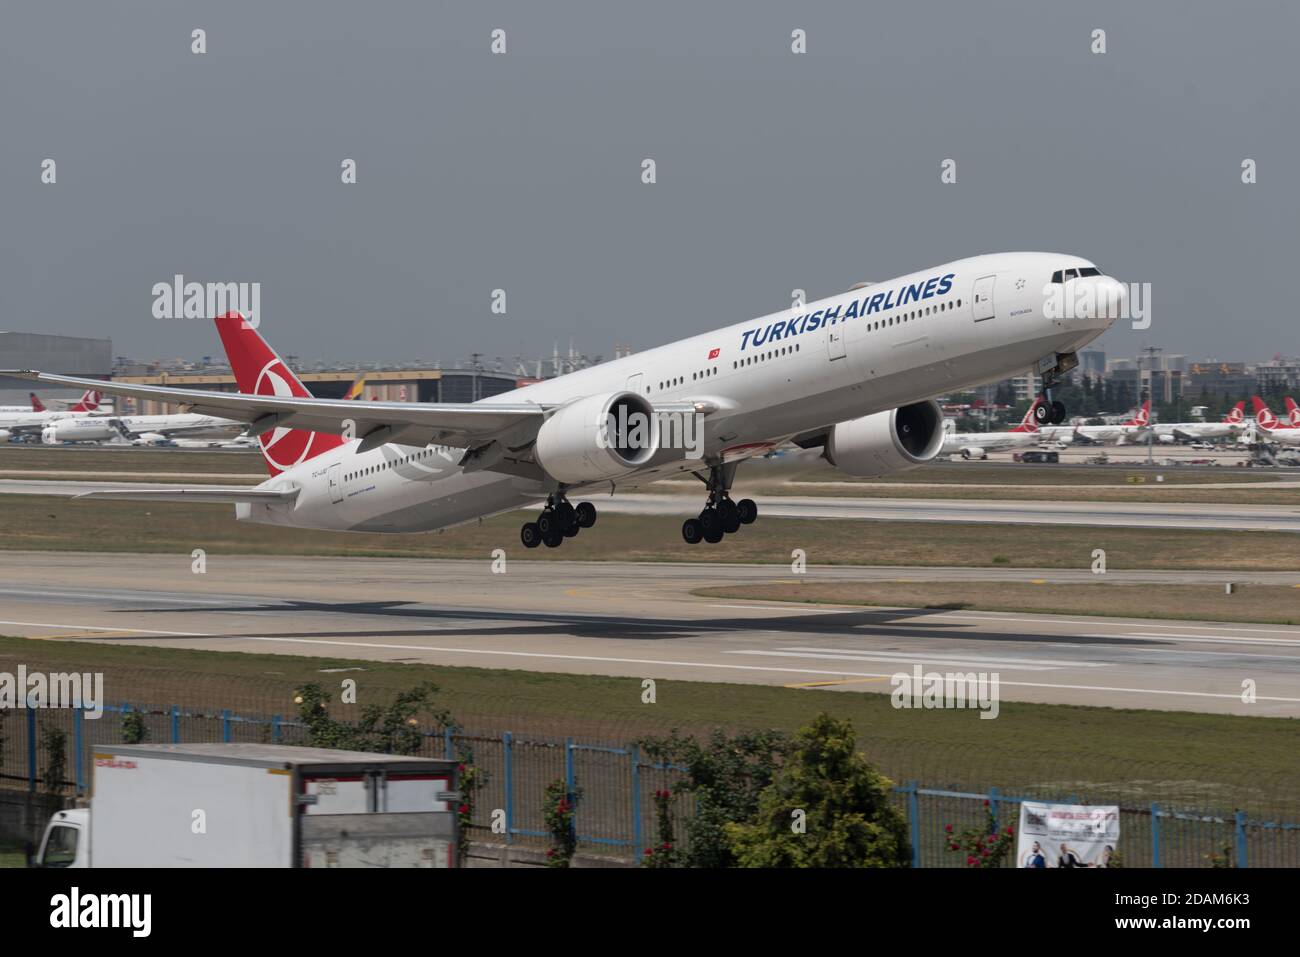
(1202, 516)
(640, 620)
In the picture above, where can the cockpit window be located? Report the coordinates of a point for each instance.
(1064, 275)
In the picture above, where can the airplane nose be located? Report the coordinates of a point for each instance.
(1106, 299)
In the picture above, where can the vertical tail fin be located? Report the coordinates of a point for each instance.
(1027, 424)
(259, 371)
(1236, 415)
(1293, 411)
(1264, 416)
(88, 402)
(1143, 416)
(37, 404)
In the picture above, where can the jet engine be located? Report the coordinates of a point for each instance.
(886, 442)
(598, 437)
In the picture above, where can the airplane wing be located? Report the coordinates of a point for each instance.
(145, 492)
(468, 425)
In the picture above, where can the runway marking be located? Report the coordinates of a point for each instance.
(1101, 621)
(901, 659)
(1205, 639)
(827, 684)
(142, 631)
(731, 667)
(947, 655)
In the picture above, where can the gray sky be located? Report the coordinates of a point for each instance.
(522, 171)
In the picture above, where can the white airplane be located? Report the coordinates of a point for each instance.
(1270, 429)
(1130, 430)
(149, 428)
(1233, 423)
(973, 445)
(852, 374)
(16, 423)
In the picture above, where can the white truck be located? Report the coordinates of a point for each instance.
(255, 805)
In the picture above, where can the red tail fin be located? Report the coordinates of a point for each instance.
(88, 402)
(1264, 415)
(1143, 416)
(1027, 424)
(1236, 415)
(1293, 411)
(37, 404)
(259, 371)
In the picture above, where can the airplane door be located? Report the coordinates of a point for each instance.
(982, 300)
(332, 477)
(835, 342)
(634, 383)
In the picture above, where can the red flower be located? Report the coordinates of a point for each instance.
(970, 861)
(649, 851)
(948, 828)
(952, 847)
(986, 803)
(666, 845)
(460, 768)
(1010, 829)
(464, 809)
(550, 852)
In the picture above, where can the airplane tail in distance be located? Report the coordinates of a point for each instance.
(357, 388)
(37, 404)
(1143, 416)
(1293, 411)
(1236, 415)
(259, 371)
(1027, 424)
(1264, 416)
(89, 402)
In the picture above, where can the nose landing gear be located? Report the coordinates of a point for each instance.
(559, 520)
(1050, 411)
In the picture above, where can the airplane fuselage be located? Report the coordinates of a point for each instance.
(941, 330)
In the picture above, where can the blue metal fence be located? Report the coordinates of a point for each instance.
(616, 813)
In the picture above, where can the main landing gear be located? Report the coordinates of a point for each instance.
(559, 520)
(721, 516)
(1050, 411)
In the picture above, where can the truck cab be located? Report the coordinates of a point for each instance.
(67, 840)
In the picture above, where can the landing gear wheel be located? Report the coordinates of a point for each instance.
(1042, 414)
(586, 513)
(747, 511)
(530, 535)
(711, 522)
(552, 539)
(573, 529)
(548, 522)
(730, 516)
(1058, 413)
(565, 513)
(715, 536)
(692, 532)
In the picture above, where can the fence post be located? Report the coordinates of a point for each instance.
(225, 725)
(994, 795)
(449, 743)
(31, 749)
(1155, 835)
(275, 728)
(506, 739)
(914, 821)
(176, 725)
(636, 798)
(77, 744)
(568, 785)
(1241, 839)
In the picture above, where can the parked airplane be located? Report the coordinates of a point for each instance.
(152, 428)
(1120, 433)
(1270, 429)
(1292, 411)
(17, 423)
(973, 445)
(1233, 423)
(852, 374)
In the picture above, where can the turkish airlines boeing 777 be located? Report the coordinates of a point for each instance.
(853, 374)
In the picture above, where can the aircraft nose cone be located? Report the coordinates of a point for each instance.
(1105, 299)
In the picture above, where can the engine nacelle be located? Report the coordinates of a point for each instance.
(50, 435)
(886, 442)
(598, 437)
(973, 452)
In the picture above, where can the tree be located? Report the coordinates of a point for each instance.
(389, 729)
(725, 776)
(827, 807)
